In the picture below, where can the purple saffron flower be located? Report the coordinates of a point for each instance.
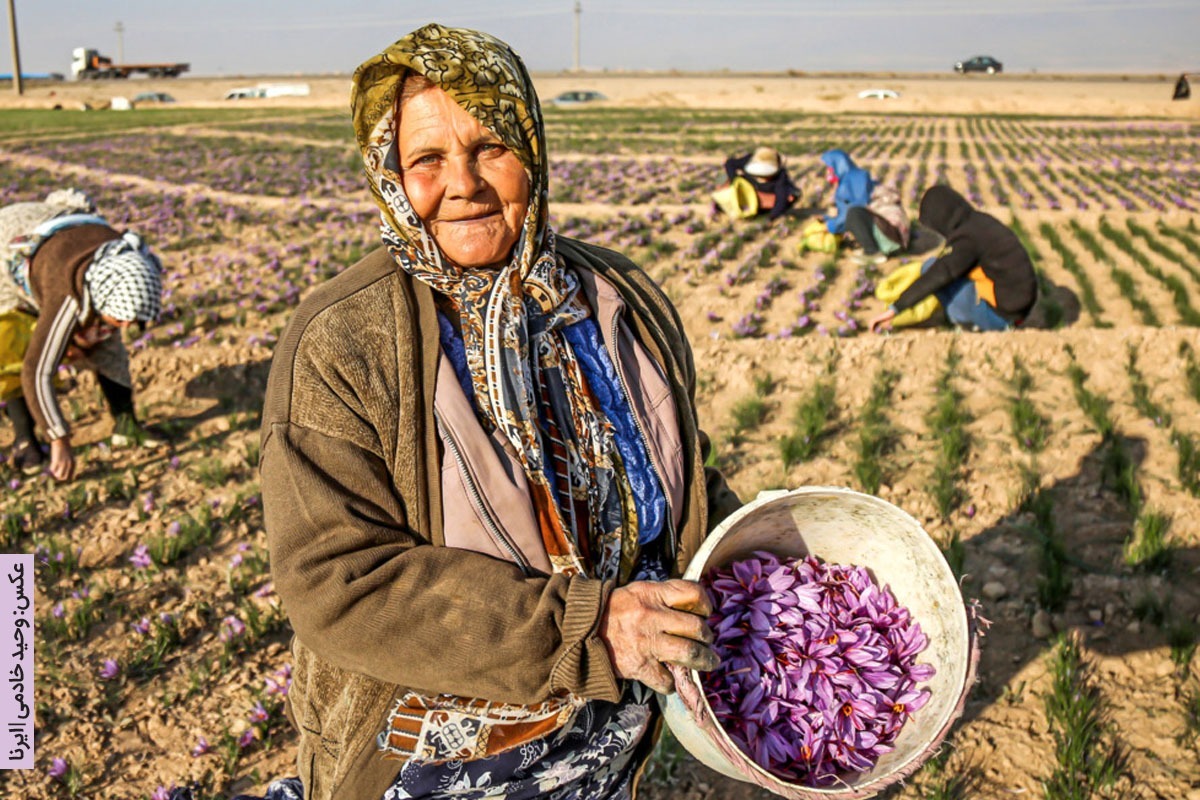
(58, 768)
(231, 628)
(282, 681)
(817, 672)
(142, 626)
(246, 739)
(141, 557)
(110, 670)
(161, 793)
(258, 713)
(201, 747)
(903, 706)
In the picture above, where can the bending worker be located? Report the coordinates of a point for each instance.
(983, 280)
(853, 187)
(85, 282)
(765, 171)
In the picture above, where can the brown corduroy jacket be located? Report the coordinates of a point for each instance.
(352, 496)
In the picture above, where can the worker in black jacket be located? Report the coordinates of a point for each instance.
(765, 170)
(983, 279)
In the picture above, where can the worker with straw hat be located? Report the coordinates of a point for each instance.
(763, 169)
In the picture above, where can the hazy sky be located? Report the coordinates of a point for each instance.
(291, 36)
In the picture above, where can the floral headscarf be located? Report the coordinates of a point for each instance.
(527, 382)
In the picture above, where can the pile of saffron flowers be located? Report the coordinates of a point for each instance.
(818, 666)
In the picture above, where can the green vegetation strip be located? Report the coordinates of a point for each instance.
(22, 123)
(1157, 246)
(1124, 280)
(1089, 759)
(948, 421)
(810, 424)
(1186, 238)
(1087, 292)
(1147, 547)
(1191, 370)
(1179, 293)
(750, 412)
(1029, 427)
(1054, 313)
(876, 436)
(1053, 581)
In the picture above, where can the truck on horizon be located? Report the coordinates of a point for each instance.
(88, 64)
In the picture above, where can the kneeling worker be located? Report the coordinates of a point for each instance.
(984, 278)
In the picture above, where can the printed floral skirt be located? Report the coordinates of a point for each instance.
(591, 759)
(286, 789)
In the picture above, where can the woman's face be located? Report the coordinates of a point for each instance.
(470, 190)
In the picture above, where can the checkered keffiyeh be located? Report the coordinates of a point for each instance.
(125, 280)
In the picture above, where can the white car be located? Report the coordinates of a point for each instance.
(878, 94)
(247, 93)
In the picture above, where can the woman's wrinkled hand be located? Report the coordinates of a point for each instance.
(648, 623)
(883, 322)
(62, 459)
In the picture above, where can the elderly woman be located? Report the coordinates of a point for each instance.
(481, 465)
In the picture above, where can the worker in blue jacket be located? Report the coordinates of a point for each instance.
(854, 185)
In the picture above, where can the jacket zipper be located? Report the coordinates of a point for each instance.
(477, 499)
(637, 423)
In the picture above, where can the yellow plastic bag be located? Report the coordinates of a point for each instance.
(890, 288)
(16, 329)
(739, 199)
(816, 237)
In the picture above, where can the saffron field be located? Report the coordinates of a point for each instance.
(1057, 466)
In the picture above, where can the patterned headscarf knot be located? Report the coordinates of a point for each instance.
(124, 280)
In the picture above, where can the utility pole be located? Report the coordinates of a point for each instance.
(578, 12)
(12, 34)
(120, 29)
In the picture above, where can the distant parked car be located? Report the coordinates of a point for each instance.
(246, 93)
(980, 64)
(265, 90)
(577, 97)
(153, 97)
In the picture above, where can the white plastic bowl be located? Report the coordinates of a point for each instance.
(843, 527)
